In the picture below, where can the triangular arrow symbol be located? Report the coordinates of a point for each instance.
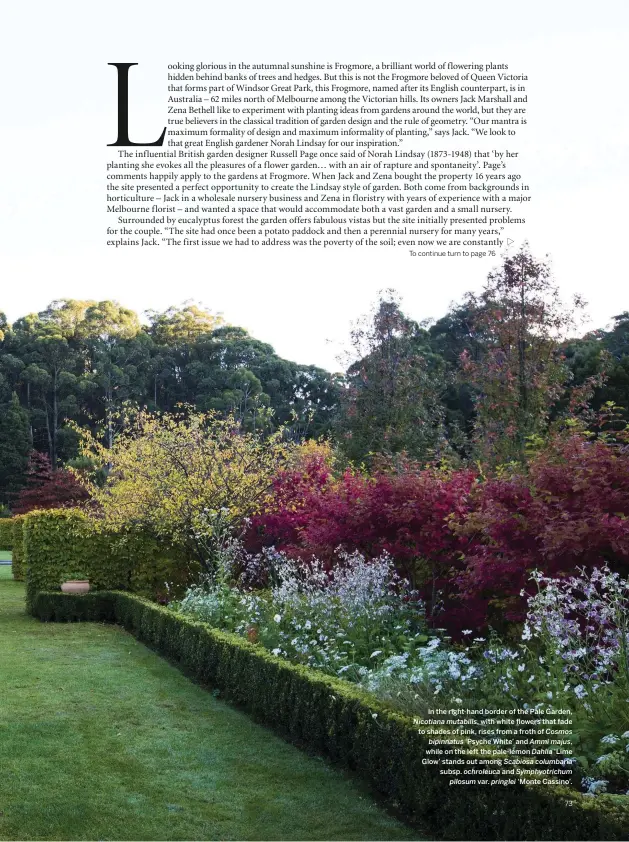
(510, 242)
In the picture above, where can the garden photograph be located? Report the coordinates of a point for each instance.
(245, 598)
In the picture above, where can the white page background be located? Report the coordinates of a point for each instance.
(59, 114)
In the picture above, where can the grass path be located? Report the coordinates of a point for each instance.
(100, 738)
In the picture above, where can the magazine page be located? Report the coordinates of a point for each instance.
(314, 421)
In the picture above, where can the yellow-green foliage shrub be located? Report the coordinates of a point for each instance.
(17, 549)
(170, 475)
(6, 533)
(62, 544)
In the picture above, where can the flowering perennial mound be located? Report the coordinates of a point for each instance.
(343, 621)
(361, 621)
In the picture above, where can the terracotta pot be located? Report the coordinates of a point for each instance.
(76, 586)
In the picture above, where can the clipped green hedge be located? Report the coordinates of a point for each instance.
(96, 607)
(18, 565)
(6, 533)
(335, 718)
(62, 544)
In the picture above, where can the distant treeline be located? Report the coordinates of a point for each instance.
(420, 389)
(84, 361)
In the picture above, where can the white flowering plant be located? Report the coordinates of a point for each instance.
(572, 655)
(344, 621)
(361, 622)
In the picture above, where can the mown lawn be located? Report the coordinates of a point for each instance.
(5, 556)
(100, 738)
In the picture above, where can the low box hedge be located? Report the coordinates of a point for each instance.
(339, 720)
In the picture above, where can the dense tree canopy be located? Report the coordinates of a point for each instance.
(393, 395)
(604, 352)
(475, 385)
(82, 362)
(15, 446)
